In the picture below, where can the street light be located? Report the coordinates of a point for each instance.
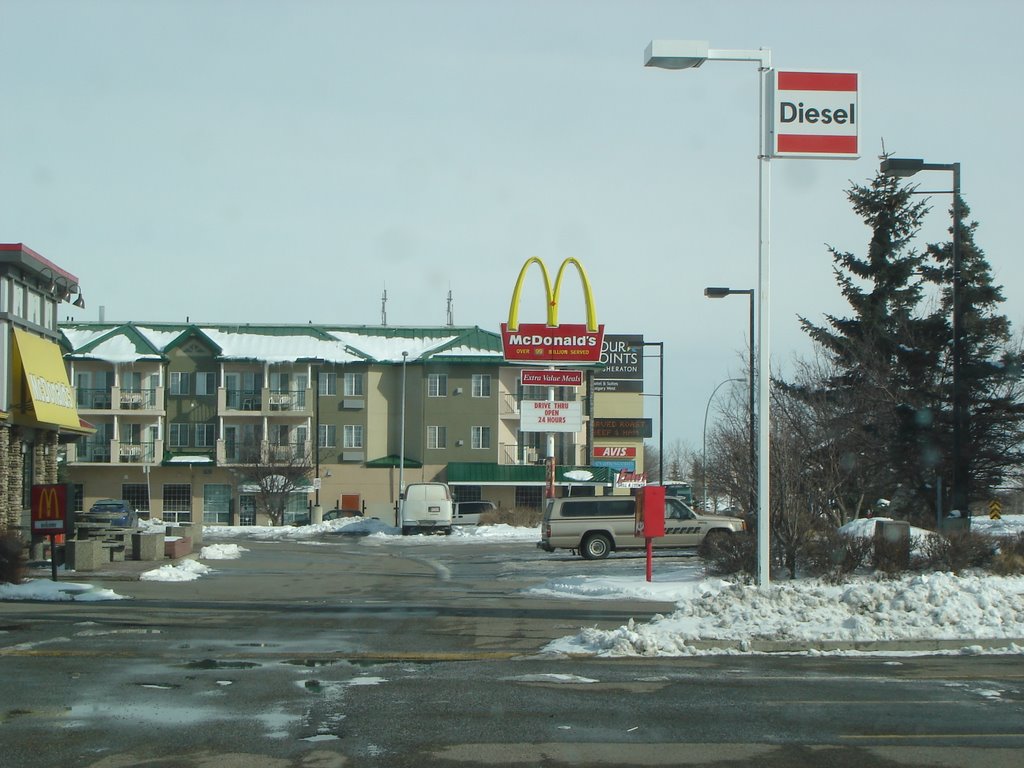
(704, 448)
(661, 404)
(401, 447)
(685, 54)
(902, 167)
(720, 293)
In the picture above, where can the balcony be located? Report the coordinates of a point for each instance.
(91, 450)
(264, 401)
(291, 453)
(136, 399)
(93, 399)
(513, 453)
(136, 453)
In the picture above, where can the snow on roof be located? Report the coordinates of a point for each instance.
(275, 344)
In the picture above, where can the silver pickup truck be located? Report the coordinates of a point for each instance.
(594, 526)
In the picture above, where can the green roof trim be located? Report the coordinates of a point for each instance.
(194, 332)
(484, 473)
(390, 461)
(140, 342)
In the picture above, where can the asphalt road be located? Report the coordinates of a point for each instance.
(368, 653)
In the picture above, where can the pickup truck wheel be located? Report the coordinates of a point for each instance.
(596, 547)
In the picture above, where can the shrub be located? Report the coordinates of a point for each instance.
(12, 559)
(956, 550)
(521, 517)
(730, 554)
(834, 556)
(1010, 558)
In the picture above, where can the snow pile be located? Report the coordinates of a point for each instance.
(40, 589)
(221, 552)
(935, 606)
(186, 570)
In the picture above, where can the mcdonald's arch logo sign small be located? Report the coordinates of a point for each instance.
(49, 508)
(551, 342)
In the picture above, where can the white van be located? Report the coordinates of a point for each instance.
(426, 507)
(468, 512)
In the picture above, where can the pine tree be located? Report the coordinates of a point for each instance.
(991, 364)
(882, 384)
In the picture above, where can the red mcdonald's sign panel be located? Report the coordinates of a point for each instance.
(49, 508)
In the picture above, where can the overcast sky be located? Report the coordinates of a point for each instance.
(282, 162)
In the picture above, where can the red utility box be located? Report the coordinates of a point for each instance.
(650, 511)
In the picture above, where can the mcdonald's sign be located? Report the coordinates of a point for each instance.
(551, 342)
(49, 509)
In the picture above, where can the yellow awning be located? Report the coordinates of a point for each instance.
(42, 393)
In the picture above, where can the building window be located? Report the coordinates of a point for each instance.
(177, 436)
(177, 502)
(328, 436)
(437, 437)
(217, 503)
(78, 504)
(353, 436)
(206, 435)
(529, 495)
(179, 383)
(437, 385)
(206, 383)
(328, 383)
(354, 385)
(481, 437)
(136, 494)
(481, 385)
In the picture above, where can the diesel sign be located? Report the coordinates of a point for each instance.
(814, 114)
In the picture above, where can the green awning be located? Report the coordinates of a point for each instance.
(391, 460)
(484, 473)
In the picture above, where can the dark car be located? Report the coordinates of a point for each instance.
(116, 513)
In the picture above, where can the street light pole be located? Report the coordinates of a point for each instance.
(401, 447)
(685, 54)
(902, 167)
(661, 404)
(704, 447)
(719, 293)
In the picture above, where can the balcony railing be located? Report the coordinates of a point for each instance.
(513, 453)
(93, 450)
(244, 399)
(93, 399)
(287, 400)
(137, 399)
(136, 453)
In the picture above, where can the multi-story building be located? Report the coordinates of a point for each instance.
(183, 412)
(37, 409)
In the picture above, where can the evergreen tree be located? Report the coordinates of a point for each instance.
(886, 401)
(882, 384)
(991, 363)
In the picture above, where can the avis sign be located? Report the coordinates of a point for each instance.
(814, 114)
(551, 342)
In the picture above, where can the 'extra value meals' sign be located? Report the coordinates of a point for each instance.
(551, 342)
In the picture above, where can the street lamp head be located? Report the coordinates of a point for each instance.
(901, 166)
(713, 292)
(676, 54)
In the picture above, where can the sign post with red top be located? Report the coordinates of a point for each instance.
(51, 516)
(650, 518)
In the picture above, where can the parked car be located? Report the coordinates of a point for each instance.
(468, 512)
(426, 508)
(597, 525)
(117, 513)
